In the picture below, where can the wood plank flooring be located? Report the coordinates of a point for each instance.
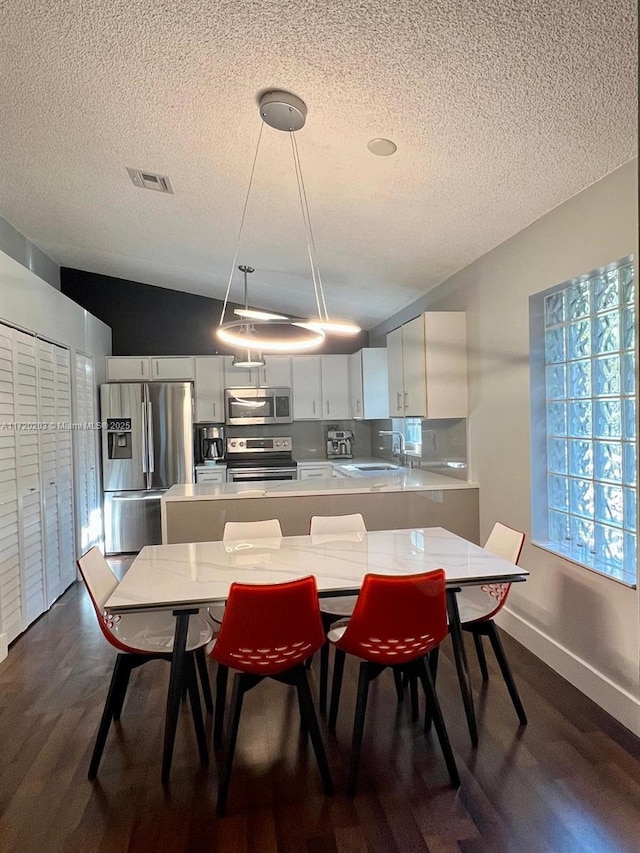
(568, 782)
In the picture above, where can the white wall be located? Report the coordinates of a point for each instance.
(29, 303)
(584, 625)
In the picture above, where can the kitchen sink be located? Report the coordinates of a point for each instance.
(364, 467)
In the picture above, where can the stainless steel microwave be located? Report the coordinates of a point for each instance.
(248, 406)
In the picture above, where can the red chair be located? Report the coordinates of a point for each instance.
(139, 638)
(268, 631)
(479, 605)
(395, 623)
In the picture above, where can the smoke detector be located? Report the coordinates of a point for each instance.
(150, 181)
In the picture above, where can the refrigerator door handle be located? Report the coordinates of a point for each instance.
(145, 453)
(152, 466)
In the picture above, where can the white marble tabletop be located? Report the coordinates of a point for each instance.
(195, 574)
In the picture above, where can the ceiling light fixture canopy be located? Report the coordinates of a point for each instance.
(266, 330)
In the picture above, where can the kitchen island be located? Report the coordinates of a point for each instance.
(404, 498)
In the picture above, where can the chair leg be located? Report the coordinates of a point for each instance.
(413, 693)
(477, 640)
(221, 698)
(122, 691)
(120, 677)
(438, 720)
(358, 728)
(336, 687)
(310, 721)
(203, 672)
(492, 633)
(324, 677)
(236, 710)
(397, 678)
(196, 710)
(433, 657)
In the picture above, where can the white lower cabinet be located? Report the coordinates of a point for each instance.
(212, 475)
(315, 470)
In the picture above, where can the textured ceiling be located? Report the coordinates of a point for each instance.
(500, 110)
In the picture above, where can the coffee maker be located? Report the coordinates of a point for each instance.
(339, 444)
(209, 444)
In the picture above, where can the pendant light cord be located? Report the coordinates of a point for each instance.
(244, 213)
(311, 245)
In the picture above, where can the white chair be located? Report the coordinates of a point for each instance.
(478, 606)
(332, 528)
(138, 638)
(238, 531)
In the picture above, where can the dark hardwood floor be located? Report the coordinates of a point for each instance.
(569, 781)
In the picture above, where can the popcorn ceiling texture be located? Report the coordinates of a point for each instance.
(500, 110)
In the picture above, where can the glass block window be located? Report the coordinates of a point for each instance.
(587, 364)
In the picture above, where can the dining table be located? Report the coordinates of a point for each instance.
(185, 578)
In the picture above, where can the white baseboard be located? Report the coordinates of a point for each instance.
(617, 701)
(4, 646)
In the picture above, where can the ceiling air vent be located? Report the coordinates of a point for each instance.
(150, 181)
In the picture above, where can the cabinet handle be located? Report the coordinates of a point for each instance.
(399, 400)
(157, 368)
(406, 404)
(32, 489)
(141, 367)
(328, 408)
(214, 410)
(314, 407)
(358, 406)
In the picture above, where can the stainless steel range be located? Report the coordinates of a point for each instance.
(250, 460)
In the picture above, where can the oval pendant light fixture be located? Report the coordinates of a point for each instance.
(268, 331)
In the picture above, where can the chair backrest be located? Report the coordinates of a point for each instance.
(248, 530)
(507, 543)
(327, 524)
(269, 628)
(397, 619)
(101, 582)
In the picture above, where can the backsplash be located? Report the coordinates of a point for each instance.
(309, 437)
(444, 445)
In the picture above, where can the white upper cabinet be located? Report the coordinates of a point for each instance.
(306, 387)
(128, 369)
(276, 372)
(236, 377)
(336, 401)
(155, 369)
(209, 389)
(169, 368)
(368, 384)
(427, 365)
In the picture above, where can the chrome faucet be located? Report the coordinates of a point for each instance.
(401, 453)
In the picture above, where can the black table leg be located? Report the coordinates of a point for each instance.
(461, 663)
(176, 684)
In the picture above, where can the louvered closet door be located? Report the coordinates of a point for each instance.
(29, 472)
(49, 467)
(11, 622)
(64, 468)
(89, 525)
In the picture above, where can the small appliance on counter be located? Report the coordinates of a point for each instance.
(339, 444)
(209, 444)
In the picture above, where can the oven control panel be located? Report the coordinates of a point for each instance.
(271, 444)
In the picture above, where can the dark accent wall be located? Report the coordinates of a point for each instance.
(148, 320)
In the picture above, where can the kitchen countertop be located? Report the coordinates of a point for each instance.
(404, 479)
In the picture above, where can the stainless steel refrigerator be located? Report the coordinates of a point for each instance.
(147, 446)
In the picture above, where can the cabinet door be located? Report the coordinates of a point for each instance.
(446, 364)
(209, 389)
(237, 377)
(64, 468)
(127, 369)
(317, 472)
(217, 476)
(306, 387)
(167, 369)
(355, 385)
(395, 373)
(375, 395)
(46, 374)
(413, 360)
(11, 621)
(276, 372)
(336, 401)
